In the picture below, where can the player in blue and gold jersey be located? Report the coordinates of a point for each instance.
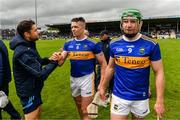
(82, 53)
(130, 61)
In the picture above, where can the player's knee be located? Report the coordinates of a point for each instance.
(84, 110)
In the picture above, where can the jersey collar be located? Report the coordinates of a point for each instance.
(138, 36)
(81, 39)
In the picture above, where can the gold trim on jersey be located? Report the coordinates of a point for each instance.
(149, 39)
(81, 55)
(132, 62)
(93, 84)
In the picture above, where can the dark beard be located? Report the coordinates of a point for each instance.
(34, 39)
(130, 35)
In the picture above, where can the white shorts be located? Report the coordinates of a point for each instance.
(82, 86)
(139, 108)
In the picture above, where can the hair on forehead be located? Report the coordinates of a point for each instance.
(78, 19)
(24, 26)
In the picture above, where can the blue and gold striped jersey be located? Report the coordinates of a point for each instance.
(132, 66)
(82, 56)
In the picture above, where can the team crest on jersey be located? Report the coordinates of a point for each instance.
(142, 50)
(85, 47)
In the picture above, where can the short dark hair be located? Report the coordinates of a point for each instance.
(104, 32)
(24, 26)
(77, 19)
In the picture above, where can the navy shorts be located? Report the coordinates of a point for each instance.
(30, 103)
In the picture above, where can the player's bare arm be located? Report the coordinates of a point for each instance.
(159, 72)
(101, 60)
(108, 76)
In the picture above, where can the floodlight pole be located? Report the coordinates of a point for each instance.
(36, 11)
(177, 26)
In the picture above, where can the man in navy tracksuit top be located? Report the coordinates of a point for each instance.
(104, 45)
(29, 75)
(5, 78)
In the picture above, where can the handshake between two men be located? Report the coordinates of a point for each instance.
(59, 56)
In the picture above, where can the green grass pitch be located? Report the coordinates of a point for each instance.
(58, 103)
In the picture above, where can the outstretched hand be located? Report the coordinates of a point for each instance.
(55, 56)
